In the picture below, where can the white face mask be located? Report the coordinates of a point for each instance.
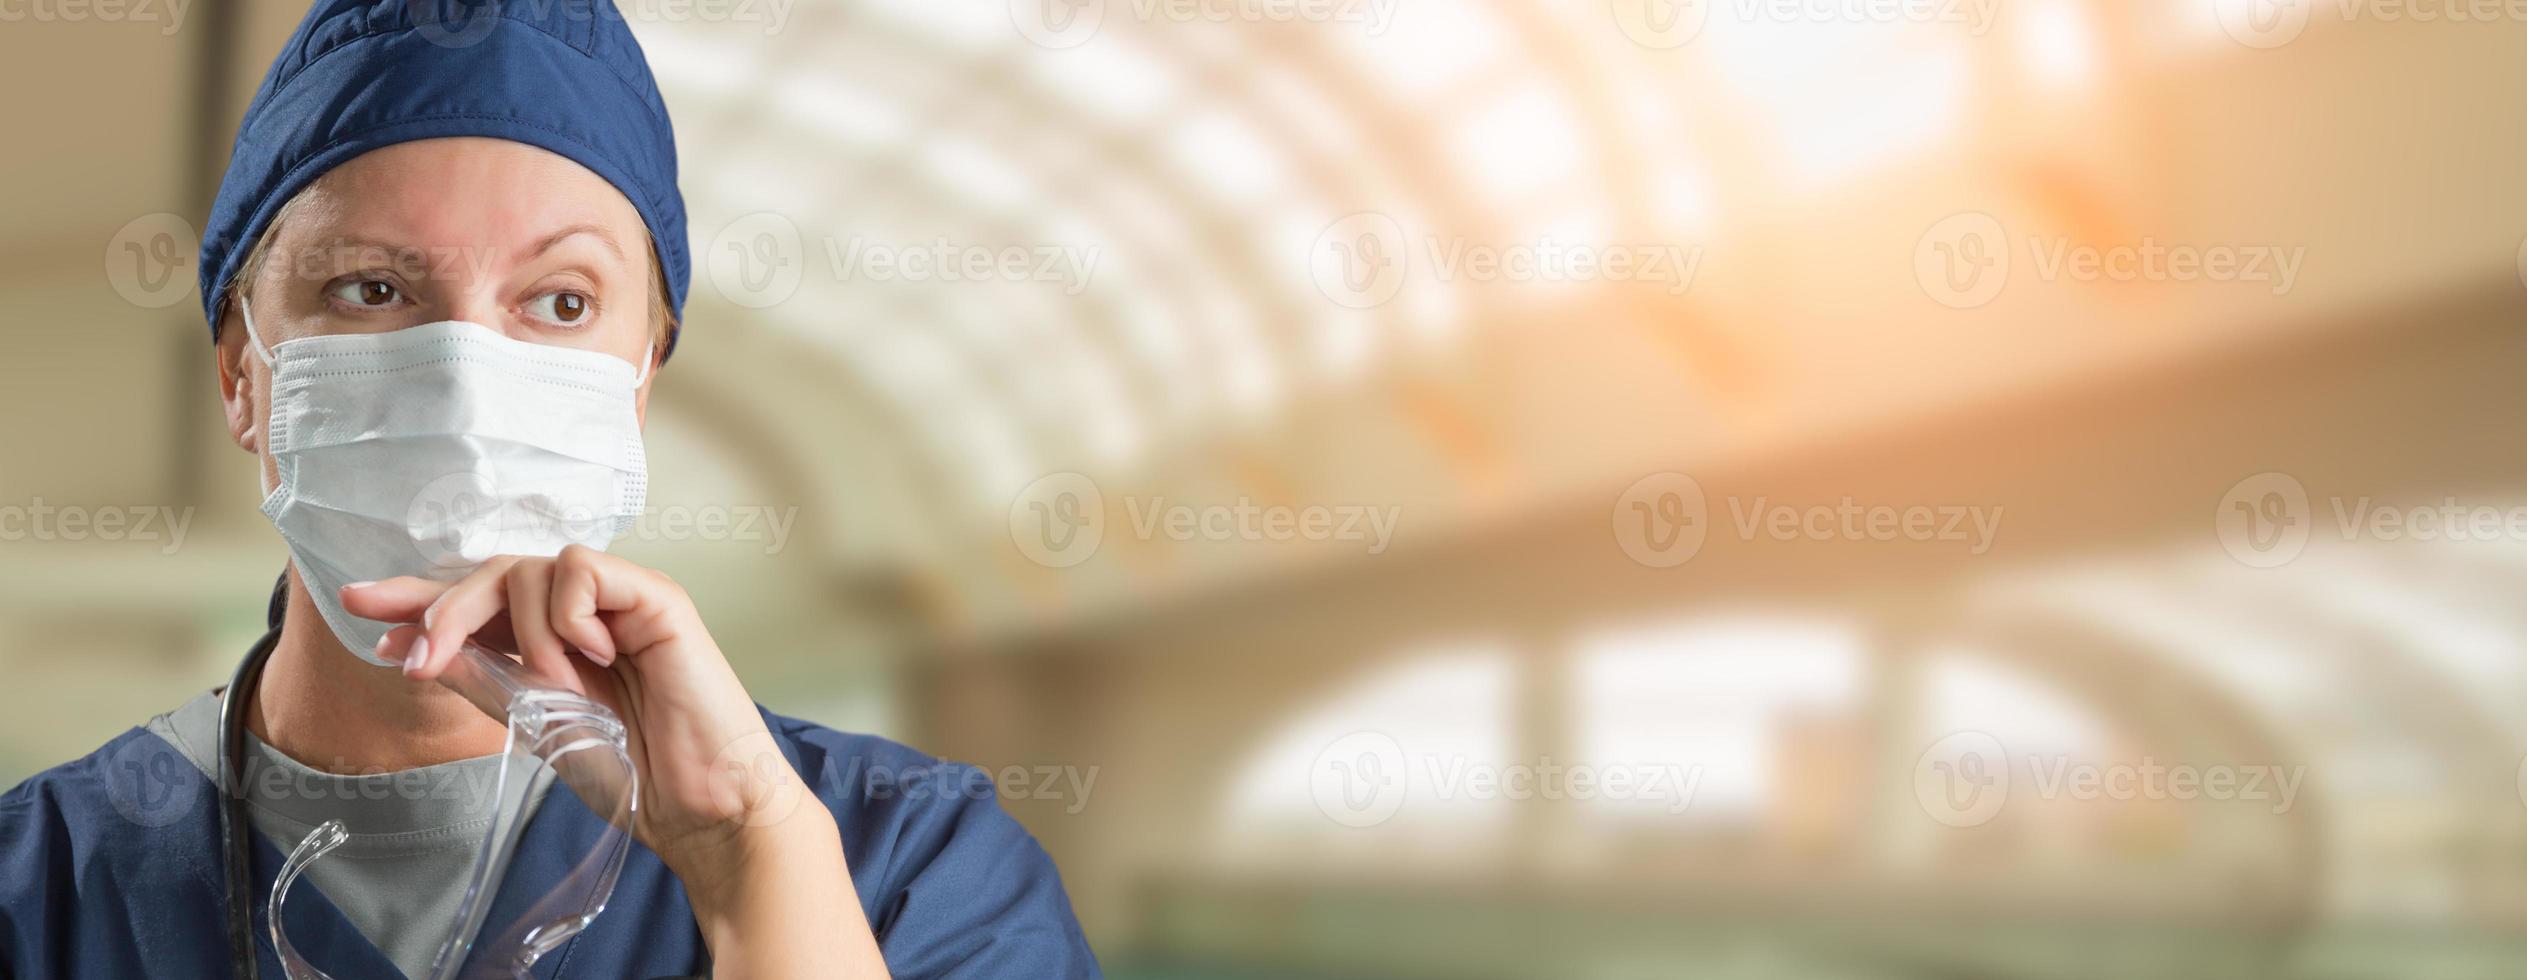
(427, 451)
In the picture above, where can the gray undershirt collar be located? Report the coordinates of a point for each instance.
(401, 874)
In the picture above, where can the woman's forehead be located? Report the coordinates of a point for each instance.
(473, 193)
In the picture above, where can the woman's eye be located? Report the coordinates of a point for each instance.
(562, 307)
(368, 292)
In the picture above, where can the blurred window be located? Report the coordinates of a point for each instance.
(1728, 698)
(1382, 772)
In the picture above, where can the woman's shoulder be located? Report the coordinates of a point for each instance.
(135, 782)
(127, 829)
(954, 886)
(824, 741)
(867, 775)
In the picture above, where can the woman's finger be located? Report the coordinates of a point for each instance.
(394, 600)
(402, 637)
(460, 612)
(586, 582)
(530, 592)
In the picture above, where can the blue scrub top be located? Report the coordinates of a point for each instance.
(110, 867)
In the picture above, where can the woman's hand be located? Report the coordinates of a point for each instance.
(718, 802)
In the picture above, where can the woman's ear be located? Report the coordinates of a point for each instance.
(238, 396)
(640, 398)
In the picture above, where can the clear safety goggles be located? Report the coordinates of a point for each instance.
(581, 743)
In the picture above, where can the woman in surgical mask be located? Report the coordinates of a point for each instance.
(440, 348)
(533, 249)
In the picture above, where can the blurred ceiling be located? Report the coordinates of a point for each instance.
(1177, 187)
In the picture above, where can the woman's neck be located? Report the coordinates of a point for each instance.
(337, 713)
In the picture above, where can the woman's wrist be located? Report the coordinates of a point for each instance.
(724, 869)
(765, 898)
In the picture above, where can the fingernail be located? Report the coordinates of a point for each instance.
(385, 649)
(420, 655)
(359, 585)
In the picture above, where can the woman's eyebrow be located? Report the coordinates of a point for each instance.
(598, 231)
(344, 252)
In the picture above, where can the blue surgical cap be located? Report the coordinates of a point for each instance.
(358, 75)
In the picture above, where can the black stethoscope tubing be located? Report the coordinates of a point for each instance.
(236, 846)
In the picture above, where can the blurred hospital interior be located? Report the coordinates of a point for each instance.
(1394, 489)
